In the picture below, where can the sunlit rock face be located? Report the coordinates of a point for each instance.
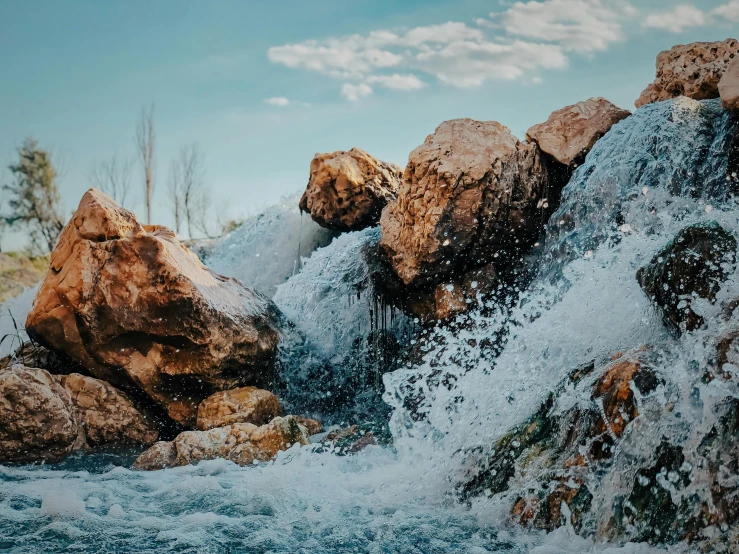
(728, 87)
(348, 190)
(135, 307)
(471, 193)
(242, 405)
(106, 414)
(570, 133)
(692, 70)
(242, 443)
(37, 417)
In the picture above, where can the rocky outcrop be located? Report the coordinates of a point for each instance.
(242, 405)
(693, 265)
(136, 308)
(348, 190)
(106, 414)
(728, 87)
(692, 70)
(471, 193)
(242, 443)
(570, 133)
(37, 417)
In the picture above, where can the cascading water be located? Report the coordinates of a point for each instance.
(621, 207)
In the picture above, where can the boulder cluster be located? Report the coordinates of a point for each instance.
(134, 339)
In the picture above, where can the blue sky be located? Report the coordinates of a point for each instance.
(264, 85)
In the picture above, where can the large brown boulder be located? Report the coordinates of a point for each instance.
(570, 133)
(728, 87)
(107, 415)
(37, 417)
(348, 190)
(471, 193)
(242, 405)
(136, 308)
(692, 70)
(242, 443)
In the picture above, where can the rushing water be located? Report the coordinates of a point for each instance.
(618, 211)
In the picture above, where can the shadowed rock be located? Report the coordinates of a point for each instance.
(693, 265)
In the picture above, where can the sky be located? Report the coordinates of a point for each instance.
(263, 85)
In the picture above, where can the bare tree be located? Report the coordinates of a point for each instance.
(176, 200)
(145, 148)
(201, 211)
(113, 177)
(186, 186)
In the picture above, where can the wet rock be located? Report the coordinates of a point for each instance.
(107, 415)
(348, 190)
(693, 265)
(242, 443)
(242, 405)
(32, 354)
(136, 308)
(570, 133)
(692, 70)
(313, 426)
(471, 194)
(350, 440)
(728, 87)
(449, 301)
(573, 444)
(37, 417)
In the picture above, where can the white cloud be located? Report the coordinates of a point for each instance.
(577, 25)
(676, 20)
(397, 81)
(730, 11)
(469, 64)
(526, 37)
(278, 101)
(355, 92)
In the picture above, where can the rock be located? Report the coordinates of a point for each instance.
(107, 415)
(348, 190)
(694, 264)
(32, 354)
(136, 308)
(350, 440)
(449, 301)
(570, 133)
(242, 443)
(471, 194)
(242, 405)
(314, 427)
(692, 70)
(728, 87)
(37, 417)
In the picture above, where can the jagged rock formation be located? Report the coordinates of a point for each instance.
(693, 265)
(728, 87)
(692, 70)
(570, 133)
(242, 443)
(136, 308)
(471, 194)
(348, 190)
(37, 417)
(106, 414)
(242, 405)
